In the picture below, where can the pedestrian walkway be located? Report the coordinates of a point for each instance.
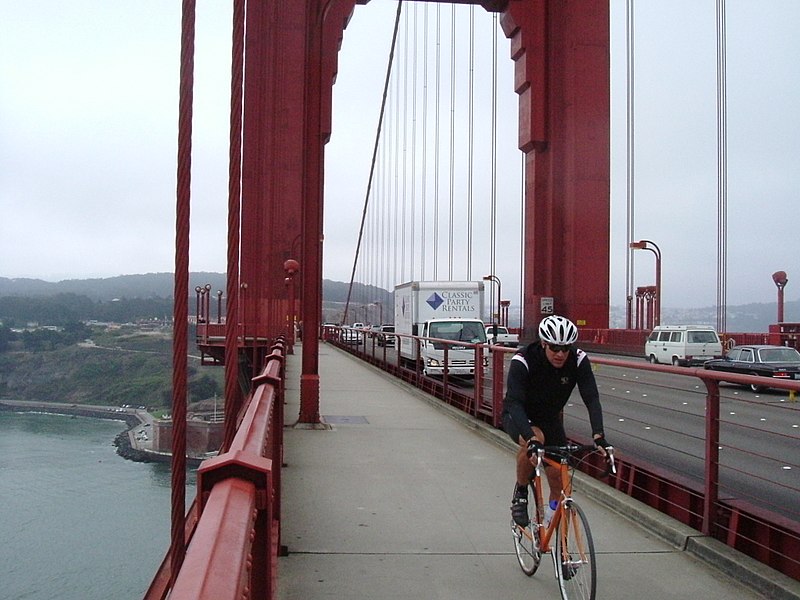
(399, 497)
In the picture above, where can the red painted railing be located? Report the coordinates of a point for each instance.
(232, 551)
(770, 534)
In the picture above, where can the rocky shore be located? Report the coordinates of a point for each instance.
(123, 442)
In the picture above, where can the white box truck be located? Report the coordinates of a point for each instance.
(440, 310)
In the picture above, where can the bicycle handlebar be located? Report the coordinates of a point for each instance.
(568, 450)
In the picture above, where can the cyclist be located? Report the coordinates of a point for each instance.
(541, 378)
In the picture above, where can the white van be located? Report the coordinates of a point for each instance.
(682, 345)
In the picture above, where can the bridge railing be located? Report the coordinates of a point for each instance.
(710, 502)
(232, 551)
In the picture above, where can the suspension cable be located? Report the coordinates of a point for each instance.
(436, 144)
(522, 240)
(471, 138)
(413, 148)
(404, 180)
(232, 390)
(424, 182)
(181, 291)
(452, 140)
(722, 171)
(493, 217)
(374, 154)
(629, 26)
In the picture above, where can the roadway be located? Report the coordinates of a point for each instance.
(397, 496)
(661, 418)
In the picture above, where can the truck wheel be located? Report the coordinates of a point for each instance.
(676, 362)
(652, 359)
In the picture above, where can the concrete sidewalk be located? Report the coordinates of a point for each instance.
(400, 497)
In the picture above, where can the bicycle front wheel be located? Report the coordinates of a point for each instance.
(573, 556)
(526, 546)
(526, 542)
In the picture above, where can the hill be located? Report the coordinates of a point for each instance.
(159, 285)
(127, 366)
(147, 288)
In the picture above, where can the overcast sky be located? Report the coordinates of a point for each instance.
(88, 128)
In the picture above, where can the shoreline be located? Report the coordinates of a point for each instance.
(125, 442)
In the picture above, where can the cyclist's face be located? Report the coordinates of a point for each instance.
(557, 359)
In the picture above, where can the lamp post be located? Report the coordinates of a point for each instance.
(496, 316)
(207, 306)
(780, 279)
(290, 267)
(646, 245)
(198, 290)
(380, 312)
(219, 306)
(504, 304)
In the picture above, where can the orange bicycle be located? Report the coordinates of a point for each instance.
(567, 537)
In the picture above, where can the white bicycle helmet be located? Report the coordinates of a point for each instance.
(557, 330)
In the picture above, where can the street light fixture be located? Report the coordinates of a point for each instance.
(291, 268)
(496, 316)
(780, 279)
(380, 312)
(646, 245)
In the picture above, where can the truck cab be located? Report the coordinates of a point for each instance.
(461, 355)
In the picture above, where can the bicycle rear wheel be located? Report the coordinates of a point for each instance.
(573, 556)
(526, 544)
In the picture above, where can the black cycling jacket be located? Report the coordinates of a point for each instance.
(537, 390)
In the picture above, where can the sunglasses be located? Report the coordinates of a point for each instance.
(555, 348)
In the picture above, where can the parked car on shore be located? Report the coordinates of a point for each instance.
(778, 362)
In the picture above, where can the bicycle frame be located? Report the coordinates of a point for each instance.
(546, 533)
(566, 473)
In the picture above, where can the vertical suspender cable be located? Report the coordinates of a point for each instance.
(471, 138)
(404, 180)
(436, 145)
(413, 148)
(424, 182)
(181, 291)
(452, 139)
(232, 391)
(522, 240)
(722, 172)
(493, 218)
(394, 174)
(374, 154)
(381, 199)
(629, 164)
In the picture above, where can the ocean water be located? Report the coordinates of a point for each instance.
(76, 520)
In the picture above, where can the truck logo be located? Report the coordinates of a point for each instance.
(435, 301)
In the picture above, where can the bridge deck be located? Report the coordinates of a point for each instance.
(402, 498)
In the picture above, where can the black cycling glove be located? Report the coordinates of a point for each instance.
(534, 446)
(602, 443)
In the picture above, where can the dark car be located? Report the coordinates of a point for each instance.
(780, 362)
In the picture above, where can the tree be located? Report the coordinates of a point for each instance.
(202, 388)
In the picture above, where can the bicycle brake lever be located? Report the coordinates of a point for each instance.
(539, 456)
(612, 465)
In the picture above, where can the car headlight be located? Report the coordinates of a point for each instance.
(432, 362)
